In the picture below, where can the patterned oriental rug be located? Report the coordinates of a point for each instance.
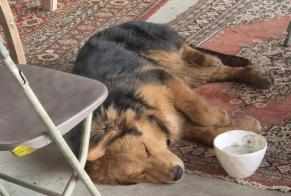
(53, 39)
(250, 28)
(254, 29)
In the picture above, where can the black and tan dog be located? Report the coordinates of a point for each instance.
(149, 71)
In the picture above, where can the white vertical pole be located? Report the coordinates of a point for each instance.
(3, 192)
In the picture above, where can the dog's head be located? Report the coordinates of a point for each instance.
(132, 149)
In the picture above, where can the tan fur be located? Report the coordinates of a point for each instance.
(194, 56)
(133, 164)
(207, 134)
(162, 98)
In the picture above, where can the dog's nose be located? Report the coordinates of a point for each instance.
(178, 172)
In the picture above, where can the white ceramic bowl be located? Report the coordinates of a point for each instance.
(240, 152)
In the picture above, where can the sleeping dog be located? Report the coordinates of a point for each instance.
(150, 71)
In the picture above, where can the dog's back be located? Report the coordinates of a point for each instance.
(117, 57)
(119, 50)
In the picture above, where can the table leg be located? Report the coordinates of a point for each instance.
(49, 5)
(11, 33)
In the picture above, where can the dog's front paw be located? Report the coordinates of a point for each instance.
(247, 123)
(215, 116)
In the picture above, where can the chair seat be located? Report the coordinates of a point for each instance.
(67, 98)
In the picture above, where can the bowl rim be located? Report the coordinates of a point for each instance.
(240, 155)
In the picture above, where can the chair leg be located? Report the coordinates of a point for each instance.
(11, 33)
(82, 156)
(49, 5)
(73, 161)
(28, 185)
(3, 191)
(287, 42)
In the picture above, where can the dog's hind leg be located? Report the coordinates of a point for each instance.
(246, 75)
(207, 134)
(211, 69)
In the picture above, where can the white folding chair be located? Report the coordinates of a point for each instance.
(38, 106)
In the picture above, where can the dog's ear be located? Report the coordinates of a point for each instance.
(98, 149)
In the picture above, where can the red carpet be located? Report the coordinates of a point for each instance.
(52, 39)
(253, 29)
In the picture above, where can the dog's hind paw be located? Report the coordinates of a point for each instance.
(247, 123)
(258, 79)
(214, 116)
(263, 82)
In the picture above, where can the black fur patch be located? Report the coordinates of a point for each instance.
(159, 124)
(127, 131)
(125, 99)
(230, 60)
(95, 139)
